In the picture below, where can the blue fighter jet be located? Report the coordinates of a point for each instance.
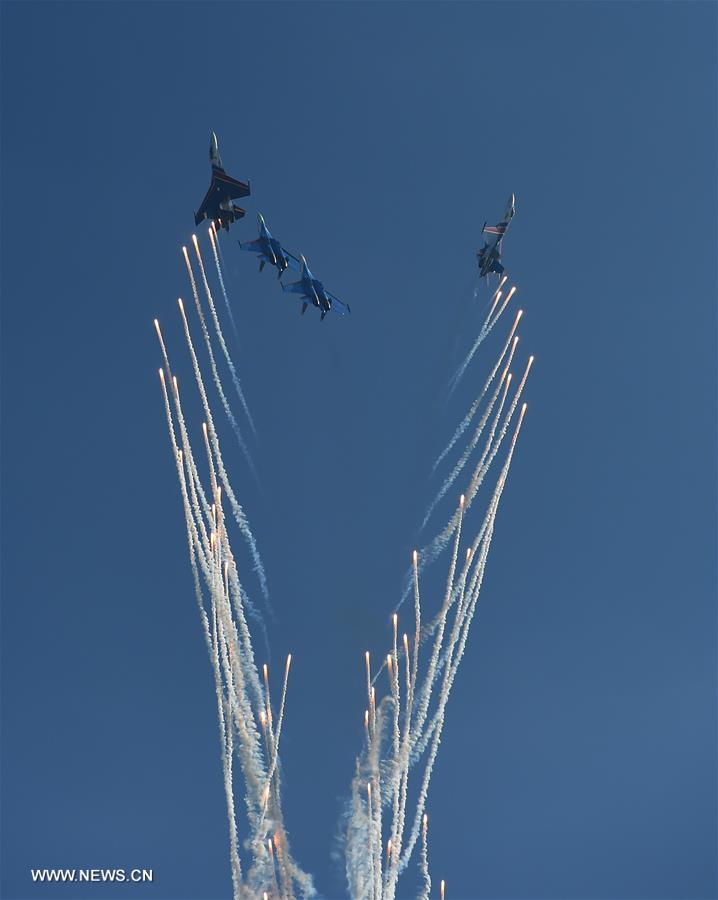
(217, 204)
(270, 250)
(314, 293)
(489, 255)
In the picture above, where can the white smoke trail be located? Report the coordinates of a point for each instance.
(275, 749)
(464, 625)
(196, 492)
(219, 246)
(234, 668)
(468, 418)
(212, 642)
(505, 380)
(440, 542)
(216, 250)
(213, 364)
(237, 510)
(484, 332)
(484, 464)
(424, 865)
(220, 336)
(399, 731)
(426, 693)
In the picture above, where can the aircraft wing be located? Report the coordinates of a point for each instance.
(338, 306)
(252, 246)
(231, 188)
(295, 287)
(222, 187)
(202, 211)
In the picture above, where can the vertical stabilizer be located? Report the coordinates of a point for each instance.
(214, 156)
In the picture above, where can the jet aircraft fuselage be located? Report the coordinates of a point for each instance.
(217, 205)
(270, 250)
(489, 255)
(315, 294)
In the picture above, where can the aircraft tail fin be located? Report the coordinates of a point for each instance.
(214, 156)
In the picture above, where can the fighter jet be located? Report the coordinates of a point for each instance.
(314, 293)
(270, 250)
(489, 255)
(217, 204)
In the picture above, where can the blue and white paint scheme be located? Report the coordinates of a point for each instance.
(270, 250)
(315, 294)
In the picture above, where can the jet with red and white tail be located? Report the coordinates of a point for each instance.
(489, 255)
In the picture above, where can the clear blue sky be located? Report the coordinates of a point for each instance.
(579, 758)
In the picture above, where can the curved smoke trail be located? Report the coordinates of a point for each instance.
(403, 728)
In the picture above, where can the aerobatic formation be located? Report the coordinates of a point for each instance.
(385, 825)
(218, 207)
